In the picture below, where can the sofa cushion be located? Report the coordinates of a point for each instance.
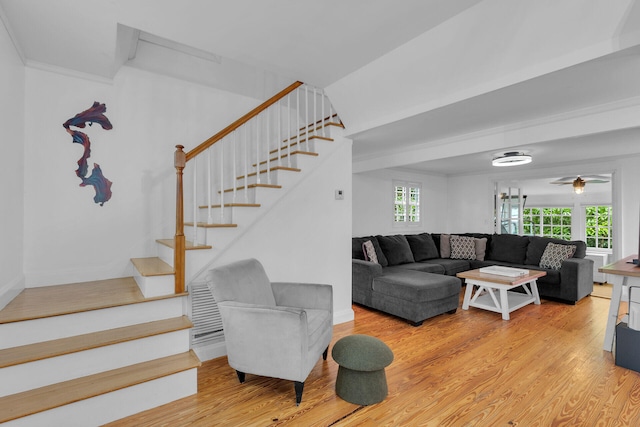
(396, 249)
(451, 266)
(537, 245)
(422, 246)
(416, 285)
(509, 248)
(418, 266)
(462, 247)
(357, 252)
(554, 254)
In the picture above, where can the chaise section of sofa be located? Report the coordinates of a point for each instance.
(397, 284)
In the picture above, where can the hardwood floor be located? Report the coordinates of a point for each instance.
(544, 367)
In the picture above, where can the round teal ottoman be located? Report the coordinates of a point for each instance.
(361, 378)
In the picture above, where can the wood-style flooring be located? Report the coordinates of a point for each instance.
(544, 367)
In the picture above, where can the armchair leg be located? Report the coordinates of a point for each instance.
(326, 351)
(240, 376)
(299, 387)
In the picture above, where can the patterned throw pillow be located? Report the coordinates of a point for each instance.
(554, 254)
(369, 252)
(463, 247)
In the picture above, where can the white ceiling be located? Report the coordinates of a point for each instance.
(321, 42)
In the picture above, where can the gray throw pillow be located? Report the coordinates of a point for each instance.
(554, 254)
(445, 246)
(462, 247)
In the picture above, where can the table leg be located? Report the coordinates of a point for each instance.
(534, 291)
(504, 304)
(467, 295)
(612, 319)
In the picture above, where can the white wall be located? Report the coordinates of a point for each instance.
(12, 167)
(373, 202)
(306, 237)
(69, 238)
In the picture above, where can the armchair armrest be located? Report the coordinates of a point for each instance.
(278, 334)
(304, 295)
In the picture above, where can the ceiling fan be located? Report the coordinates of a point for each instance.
(579, 182)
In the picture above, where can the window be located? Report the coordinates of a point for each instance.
(547, 222)
(598, 226)
(406, 203)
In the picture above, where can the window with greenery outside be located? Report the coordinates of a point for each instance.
(407, 203)
(598, 226)
(547, 222)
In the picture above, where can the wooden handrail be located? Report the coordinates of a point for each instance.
(242, 120)
(180, 160)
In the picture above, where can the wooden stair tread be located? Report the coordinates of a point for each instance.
(233, 205)
(56, 395)
(276, 168)
(228, 190)
(293, 144)
(38, 303)
(189, 246)
(152, 266)
(43, 350)
(275, 159)
(207, 225)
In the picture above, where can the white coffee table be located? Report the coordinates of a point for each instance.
(504, 301)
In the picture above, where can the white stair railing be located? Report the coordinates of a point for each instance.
(260, 142)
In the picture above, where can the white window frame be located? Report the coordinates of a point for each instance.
(407, 204)
(597, 226)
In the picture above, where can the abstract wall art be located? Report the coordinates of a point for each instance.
(92, 115)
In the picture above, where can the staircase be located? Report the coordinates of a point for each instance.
(89, 353)
(69, 352)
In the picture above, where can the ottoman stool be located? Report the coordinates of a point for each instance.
(361, 378)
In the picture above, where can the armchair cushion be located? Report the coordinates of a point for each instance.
(251, 287)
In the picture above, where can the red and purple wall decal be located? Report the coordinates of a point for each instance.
(95, 114)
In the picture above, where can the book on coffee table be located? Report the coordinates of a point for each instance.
(504, 271)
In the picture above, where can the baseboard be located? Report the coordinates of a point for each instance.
(11, 290)
(210, 351)
(343, 316)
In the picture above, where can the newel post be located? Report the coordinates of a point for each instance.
(179, 162)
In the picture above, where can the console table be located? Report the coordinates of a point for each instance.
(626, 269)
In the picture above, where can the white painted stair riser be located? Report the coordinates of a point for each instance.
(155, 286)
(118, 404)
(40, 373)
(51, 328)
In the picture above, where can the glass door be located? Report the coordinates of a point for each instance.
(508, 209)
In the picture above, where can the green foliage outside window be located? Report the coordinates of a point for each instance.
(406, 204)
(598, 226)
(547, 222)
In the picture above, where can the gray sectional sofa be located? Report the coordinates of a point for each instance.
(413, 276)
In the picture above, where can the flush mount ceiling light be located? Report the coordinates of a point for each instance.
(511, 158)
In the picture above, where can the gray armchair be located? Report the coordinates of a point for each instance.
(272, 329)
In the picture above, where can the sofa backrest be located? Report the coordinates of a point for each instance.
(537, 245)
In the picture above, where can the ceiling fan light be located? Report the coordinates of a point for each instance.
(512, 158)
(578, 185)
